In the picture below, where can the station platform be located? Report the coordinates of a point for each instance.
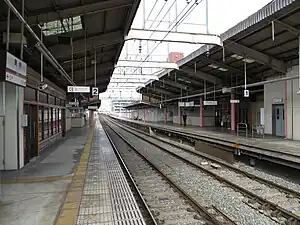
(274, 147)
(76, 182)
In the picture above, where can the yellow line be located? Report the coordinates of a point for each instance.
(37, 179)
(70, 206)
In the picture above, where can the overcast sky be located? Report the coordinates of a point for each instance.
(223, 14)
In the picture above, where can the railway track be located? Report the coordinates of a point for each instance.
(169, 203)
(275, 201)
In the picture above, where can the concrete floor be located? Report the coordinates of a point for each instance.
(33, 195)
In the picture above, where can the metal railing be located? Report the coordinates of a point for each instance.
(258, 130)
(243, 125)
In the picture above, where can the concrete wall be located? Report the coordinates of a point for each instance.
(12, 108)
(287, 90)
(271, 91)
(68, 120)
(293, 106)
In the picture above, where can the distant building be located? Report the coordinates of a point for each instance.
(175, 56)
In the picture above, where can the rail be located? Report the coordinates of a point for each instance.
(239, 126)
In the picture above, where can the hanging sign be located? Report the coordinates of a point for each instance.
(79, 89)
(15, 70)
(95, 91)
(210, 102)
(246, 93)
(234, 101)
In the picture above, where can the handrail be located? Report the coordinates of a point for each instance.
(259, 129)
(238, 126)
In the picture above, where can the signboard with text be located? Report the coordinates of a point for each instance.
(79, 89)
(210, 103)
(12, 69)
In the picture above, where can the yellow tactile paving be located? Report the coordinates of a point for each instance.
(70, 207)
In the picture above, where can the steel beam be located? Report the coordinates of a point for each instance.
(222, 65)
(202, 75)
(288, 27)
(146, 64)
(179, 37)
(70, 10)
(91, 81)
(81, 60)
(173, 84)
(256, 55)
(96, 41)
(160, 90)
(128, 80)
(90, 70)
(134, 85)
(135, 76)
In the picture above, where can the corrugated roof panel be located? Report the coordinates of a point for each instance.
(260, 15)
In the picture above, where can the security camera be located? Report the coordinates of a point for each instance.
(42, 86)
(298, 92)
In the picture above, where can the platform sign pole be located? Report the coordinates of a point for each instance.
(232, 112)
(201, 112)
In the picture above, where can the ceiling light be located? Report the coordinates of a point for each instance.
(222, 69)
(247, 60)
(213, 66)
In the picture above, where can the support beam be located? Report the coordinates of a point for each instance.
(101, 68)
(173, 84)
(135, 76)
(70, 10)
(256, 55)
(202, 75)
(133, 85)
(80, 60)
(288, 27)
(146, 64)
(95, 41)
(191, 81)
(160, 90)
(179, 37)
(90, 82)
(127, 80)
(222, 65)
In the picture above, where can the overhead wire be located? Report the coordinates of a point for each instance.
(187, 13)
(177, 23)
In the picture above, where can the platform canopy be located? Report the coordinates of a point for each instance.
(139, 105)
(265, 51)
(97, 26)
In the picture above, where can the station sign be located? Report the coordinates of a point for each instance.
(277, 100)
(15, 70)
(234, 101)
(79, 89)
(210, 102)
(95, 91)
(186, 104)
(246, 93)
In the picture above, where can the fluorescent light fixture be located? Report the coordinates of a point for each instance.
(217, 67)
(222, 69)
(247, 60)
(213, 66)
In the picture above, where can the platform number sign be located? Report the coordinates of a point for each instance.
(95, 91)
(246, 93)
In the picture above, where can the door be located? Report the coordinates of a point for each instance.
(279, 120)
(2, 154)
(30, 133)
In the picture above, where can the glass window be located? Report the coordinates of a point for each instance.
(46, 123)
(41, 123)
